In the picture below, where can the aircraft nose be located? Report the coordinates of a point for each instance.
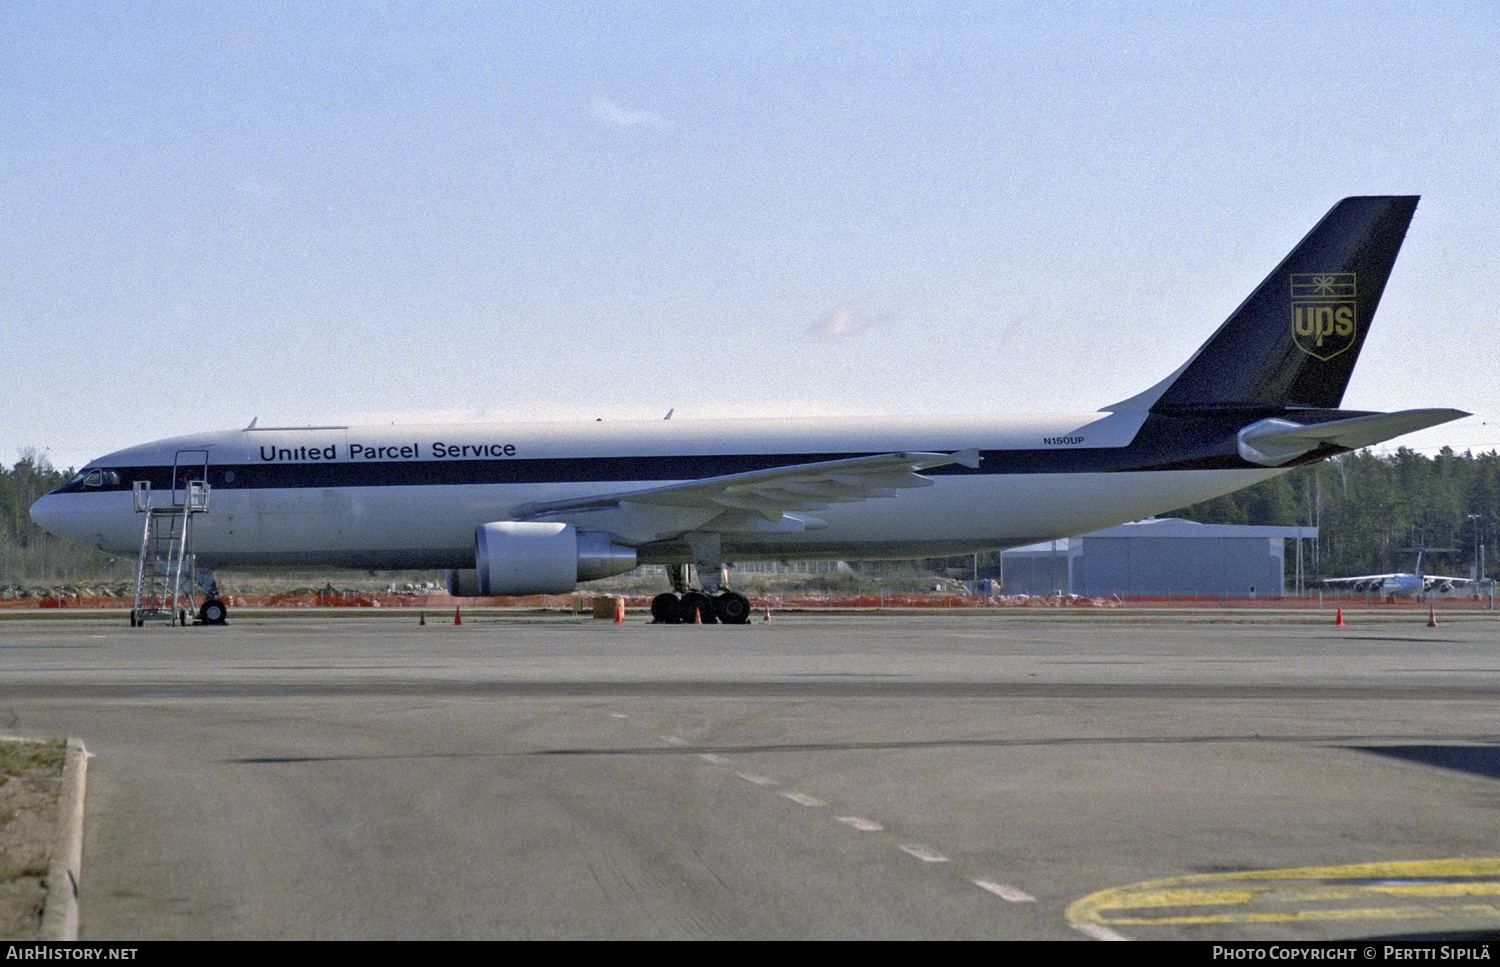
(47, 514)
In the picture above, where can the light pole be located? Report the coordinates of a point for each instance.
(1478, 550)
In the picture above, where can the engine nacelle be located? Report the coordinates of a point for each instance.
(530, 557)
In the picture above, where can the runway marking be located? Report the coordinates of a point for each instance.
(923, 852)
(1098, 932)
(1005, 892)
(803, 799)
(1448, 889)
(758, 780)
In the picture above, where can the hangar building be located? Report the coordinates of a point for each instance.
(1160, 556)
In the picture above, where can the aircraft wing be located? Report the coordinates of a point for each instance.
(1432, 579)
(774, 492)
(1362, 578)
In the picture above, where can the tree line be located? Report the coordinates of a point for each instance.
(29, 556)
(1371, 509)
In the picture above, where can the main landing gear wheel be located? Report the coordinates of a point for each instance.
(213, 612)
(697, 607)
(732, 608)
(666, 609)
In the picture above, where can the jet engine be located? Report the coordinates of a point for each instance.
(530, 557)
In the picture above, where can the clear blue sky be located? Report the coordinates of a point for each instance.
(323, 211)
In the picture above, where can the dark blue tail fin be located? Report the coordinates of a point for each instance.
(1293, 343)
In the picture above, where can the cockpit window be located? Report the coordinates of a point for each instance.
(95, 477)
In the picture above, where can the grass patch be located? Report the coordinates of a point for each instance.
(20, 758)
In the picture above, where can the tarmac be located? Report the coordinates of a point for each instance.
(1016, 774)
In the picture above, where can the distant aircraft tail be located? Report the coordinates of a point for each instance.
(1293, 343)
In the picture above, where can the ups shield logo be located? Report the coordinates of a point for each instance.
(1324, 313)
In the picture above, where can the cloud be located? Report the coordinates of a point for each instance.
(611, 113)
(844, 319)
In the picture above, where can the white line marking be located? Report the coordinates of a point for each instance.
(674, 740)
(717, 760)
(924, 853)
(861, 824)
(803, 799)
(758, 780)
(1005, 892)
(1098, 931)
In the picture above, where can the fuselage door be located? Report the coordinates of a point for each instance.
(191, 465)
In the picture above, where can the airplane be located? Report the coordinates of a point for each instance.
(516, 509)
(1414, 584)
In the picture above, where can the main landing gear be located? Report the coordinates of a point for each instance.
(684, 605)
(694, 607)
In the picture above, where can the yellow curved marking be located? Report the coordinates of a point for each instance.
(1422, 889)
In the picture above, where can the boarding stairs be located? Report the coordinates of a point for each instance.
(164, 572)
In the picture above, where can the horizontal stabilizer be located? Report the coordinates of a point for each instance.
(1275, 442)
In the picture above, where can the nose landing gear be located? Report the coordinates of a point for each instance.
(213, 612)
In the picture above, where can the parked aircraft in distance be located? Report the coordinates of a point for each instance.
(536, 508)
(1409, 585)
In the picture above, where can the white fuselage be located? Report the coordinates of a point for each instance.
(412, 496)
(1403, 586)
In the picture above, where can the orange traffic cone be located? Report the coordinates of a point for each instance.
(768, 615)
(1339, 619)
(1431, 617)
(619, 611)
(421, 619)
(697, 616)
(458, 618)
